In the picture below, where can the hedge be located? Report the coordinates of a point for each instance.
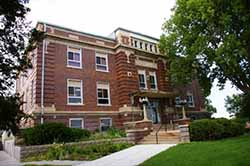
(214, 129)
(52, 133)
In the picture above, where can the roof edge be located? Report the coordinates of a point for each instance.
(138, 33)
(76, 31)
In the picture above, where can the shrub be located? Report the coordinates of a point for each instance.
(78, 134)
(52, 132)
(73, 152)
(109, 134)
(114, 132)
(213, 129)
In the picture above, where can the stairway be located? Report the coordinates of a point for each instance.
(164, 137)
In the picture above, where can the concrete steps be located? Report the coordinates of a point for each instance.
(164, 137)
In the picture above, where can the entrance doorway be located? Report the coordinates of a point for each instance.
(153, 111)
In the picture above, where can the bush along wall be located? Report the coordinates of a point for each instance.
(214, 129)
(52, 133)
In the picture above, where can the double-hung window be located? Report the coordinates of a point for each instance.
(75, 92)
(190, 100)
(101, 62)
(105, 124)
(103, 94)
(76, 123)
(153, 80)
(142, 79)
(177, 101)
(74, 57)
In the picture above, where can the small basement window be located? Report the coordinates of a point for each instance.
(105, 123)
(76, 123)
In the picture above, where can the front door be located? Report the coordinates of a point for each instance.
(153, 111)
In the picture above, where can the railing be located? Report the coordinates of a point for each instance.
(156, 134)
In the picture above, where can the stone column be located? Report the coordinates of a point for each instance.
(184, 134)
(145, 116)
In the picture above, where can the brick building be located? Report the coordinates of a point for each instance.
(90, 81)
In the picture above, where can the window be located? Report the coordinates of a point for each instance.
(105, 124)
(74, 92)
(190, 100)
(177, 101)
(103, 96)
(74, 57)
(142, 79)
(151, 47)
(146, 46)
(135, 43)
(76, 123)
(156, 49)
(101, 62)
(153, 81)
(141, 45)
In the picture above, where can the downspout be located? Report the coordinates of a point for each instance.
(42, 82)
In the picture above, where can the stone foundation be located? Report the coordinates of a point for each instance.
(138, 130)
(21, 152)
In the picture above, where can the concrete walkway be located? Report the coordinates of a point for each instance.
(56, 162)
(6, 160)
(129, 157)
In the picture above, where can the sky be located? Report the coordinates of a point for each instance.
(103, 17)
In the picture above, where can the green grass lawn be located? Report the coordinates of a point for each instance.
(228, 152)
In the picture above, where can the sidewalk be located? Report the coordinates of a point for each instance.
(6, 160)
(57, 162)
(130, 157)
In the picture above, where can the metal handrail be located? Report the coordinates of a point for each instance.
(156, 134)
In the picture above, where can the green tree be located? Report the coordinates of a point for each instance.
(16, 40)
(208, 40)
(238, 105)
(209, 107)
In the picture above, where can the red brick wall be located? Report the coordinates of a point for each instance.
(59, 73)
(126, 84)
(195, 89)
(121, 84)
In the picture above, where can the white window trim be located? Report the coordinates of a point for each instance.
(143, 72)
(193, 105)
(70, 119)
(156, 85)
(80, 51)
(111, 122)
(68, 103)
(102, 55)
(108, 87)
